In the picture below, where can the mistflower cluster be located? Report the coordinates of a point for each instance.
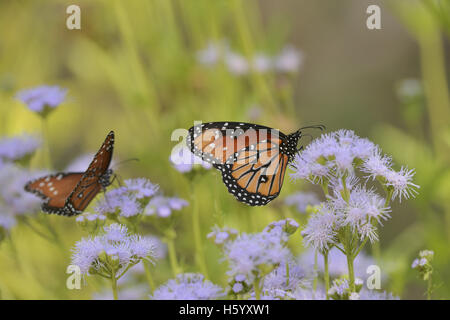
(288, 60)
(340, 290)
(287, 277)
(222, 235)
(183, 160)
(423, 264)
(252, 256)
(18, 147)
(337, 154)
(12, 194)
(162, 207)
(129, 200)
(351, 213)
(111, 253)
(321, 230)
(362, 211)
(337, 263)
(188, 286)
(42, 99)
(288, 226)
(301, 200)
(7, 221)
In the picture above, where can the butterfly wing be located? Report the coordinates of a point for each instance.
(54, 189)
(257, 173)
(91, 183)
(218, 142)
(252, 158)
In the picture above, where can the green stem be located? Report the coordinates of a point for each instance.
(114, 286)
(257, 289)
(429, 287)
(351, 273)
(287, 274)
(148, 275)
(172, 254)
(199, 252)
(326, 274)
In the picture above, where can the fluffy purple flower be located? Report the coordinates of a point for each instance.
(127, 201)
(7, 221)
(320, 232)
(16, 148)
(288, 226)
(249, 254)
(188, 286)
(277, 278)
(184, 160)
(141, 187)
(331, 154)
(309, 294)
(113, 250)
(402, 184)
(163, 206)
(289, 60)
(222, 235)
(13, 194)
(42, 99)
(366, 294)
(337, 263)
(301, 200)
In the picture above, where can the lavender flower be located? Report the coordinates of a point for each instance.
(128, 200)
(188, 286)
(254, 255)
(262, 63)
(7, 222)
(320, 232)
(288, 226)
(365, 294)
(423, 264)
(364, 207)
(309, 294)
(340, 290)
(402, 184)
(111, 252)
(163, 206)
(236, 63)
(301, 200)
(19, 147)
(184, 160)
(289, 60)
(222, 235)
(212, 54)
(42, 99)
(13, 194)
(337, 265)
(277, 278)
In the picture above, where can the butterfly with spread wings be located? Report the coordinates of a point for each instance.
(68, 194)
(252, 158)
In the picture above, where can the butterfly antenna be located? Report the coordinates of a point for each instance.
(124, 161)
(318, 126)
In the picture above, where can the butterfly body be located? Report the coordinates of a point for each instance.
(70, 193)
(252, 158)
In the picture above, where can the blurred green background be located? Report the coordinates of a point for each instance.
(132, 68)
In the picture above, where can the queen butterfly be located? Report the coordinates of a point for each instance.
(70, 193)
(252, 158)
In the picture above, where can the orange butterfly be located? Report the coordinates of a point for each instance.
(252, 158)
(70, 193)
